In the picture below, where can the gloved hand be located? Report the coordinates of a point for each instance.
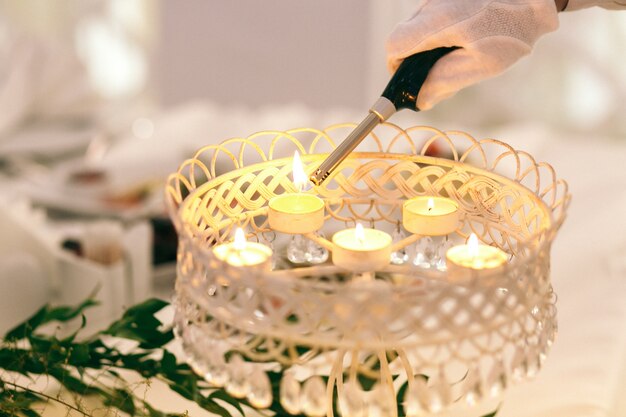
(493, 34)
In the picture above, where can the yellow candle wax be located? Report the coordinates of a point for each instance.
(296, 212)
(243, 253)
(475, 256)
(361, 250)
(430, 216)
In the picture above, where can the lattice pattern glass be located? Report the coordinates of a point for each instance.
(406, 340)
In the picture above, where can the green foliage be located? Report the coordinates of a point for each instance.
(89, 367)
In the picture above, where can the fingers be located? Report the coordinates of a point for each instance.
(412, 37)
(462, 68)
(436, 23)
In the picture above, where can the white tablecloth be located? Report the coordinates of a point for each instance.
(585, 373)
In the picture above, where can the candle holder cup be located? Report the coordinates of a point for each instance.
(408, 341)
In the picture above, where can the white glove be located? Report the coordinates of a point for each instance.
(493, 34)
(607, 4)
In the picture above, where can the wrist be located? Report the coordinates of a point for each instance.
(561, 4)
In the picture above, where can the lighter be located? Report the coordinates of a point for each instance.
(401, 93)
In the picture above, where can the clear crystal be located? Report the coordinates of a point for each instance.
(472, 395)
(275, 261)
(314, 397)
(238, 384)
(473, 388)
(382, 403)
(434, 404)
(216, 369)
(401, 256)
(496, 380)
(424, 252)
(197, 365)
(412, 404)
(532, 362)
(290, 394)
(316, 254)
(180, 323)
(260, 395)
(297, 249)
(550, 331)
(441, 396)
(544, 347)
(519, 364)
(440, 257)
(352, 401)
(417, 398)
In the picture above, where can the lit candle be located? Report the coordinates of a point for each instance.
(361, 250)
(430, 216)
(240, 252)
(475, 256)
(296, 212)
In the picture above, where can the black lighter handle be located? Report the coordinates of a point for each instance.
(408, 79)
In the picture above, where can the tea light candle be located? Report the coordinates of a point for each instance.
(475, 256)
(361, 250)
(240, 252)
(296, 212)
(430, 216)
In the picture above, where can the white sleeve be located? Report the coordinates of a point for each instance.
(607, 4)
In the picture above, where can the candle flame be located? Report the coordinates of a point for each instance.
(359, 233)
(472, 245)
(431, 204)
(299, 176)
(239, 243)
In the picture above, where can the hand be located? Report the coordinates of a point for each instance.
(493, 35)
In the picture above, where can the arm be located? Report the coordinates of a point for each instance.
(582, 4)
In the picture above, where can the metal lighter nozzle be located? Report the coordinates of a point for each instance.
(380, 111)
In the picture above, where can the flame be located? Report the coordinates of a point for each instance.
(431, 204)
(472, 245)
(299, 176)
(240, 239)
(359, 233)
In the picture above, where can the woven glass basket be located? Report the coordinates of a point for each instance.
(407, 339)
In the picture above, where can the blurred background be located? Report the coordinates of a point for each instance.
(101, 99)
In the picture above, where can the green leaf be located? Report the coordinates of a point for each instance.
(138, 323)
(45, 315)
(222, 395)
(156, 413)
(122, 400)
(367, 383)
(29, 412)
(72, 383)
(400, 398)
(14, 402)
(213, 408)
(168, 363)
(79, 355)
